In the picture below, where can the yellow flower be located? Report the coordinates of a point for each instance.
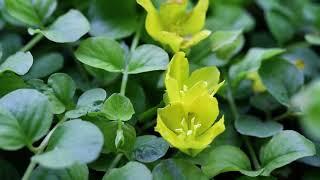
(174, 25)
(191, 130)
(184, 88)
(257, 84)
(188, 120)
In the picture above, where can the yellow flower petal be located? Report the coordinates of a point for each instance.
(257, 84)
(171, 12)
(195, 39)
(207, 137)
(169, 38)
(172, 115)
(211, 75)
(196, 19)
(206, 110)
(178, 69)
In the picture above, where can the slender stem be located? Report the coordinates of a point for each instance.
(252, 153)
(32, 43)
(286, 115)
(236, 116)
(39, 150)
(125, 73)
(115, 162)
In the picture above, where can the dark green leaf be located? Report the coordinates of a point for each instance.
(284, 148)
(149, 148)
(75, 172)
(253, 126)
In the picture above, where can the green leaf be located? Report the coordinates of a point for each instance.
(75, 172)
(102, 53)
(69, 27)
(228, 158)
(44, 8)
(313, 39)
(102, 163)
(280, 26)
(229, 17)
(149, 148)
(308, 101)
(282, 79)
(24, 11)
(25, 117)
(284, 148)
(148, 58)
(109, 130)
(19, 63)
(226, 43)
(75, 141)
(253, 126)
(63, 87)
(7, 171)
(264, 102)
(118, 107)
(10, 44)
(45, 65)
(114, 19)
(172, 169)
(251, 63)
(10, 82)
(131, 171)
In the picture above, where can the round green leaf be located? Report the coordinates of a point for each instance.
(148, 58)
(91, 97)
(75, 141)
(228, 158)
(172, 169)
(253, 126)
(313, 39)
(25, 117)
(284, 148)
(149, 148)
(131, 171)
(109, 130)
(102, 53)
(118, 107)
(45, 65)
(45, 8)
(19, 63)
(75, 172)
(281, 78)
(69, 27)
(63, 87)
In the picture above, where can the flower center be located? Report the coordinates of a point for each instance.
(188, 128)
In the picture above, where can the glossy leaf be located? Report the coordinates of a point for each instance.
(19, 63)
(118, 107)
(131, 171)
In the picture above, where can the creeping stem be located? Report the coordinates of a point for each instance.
(32, 42)
(235, 114)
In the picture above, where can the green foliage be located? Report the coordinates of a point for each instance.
(82, 81)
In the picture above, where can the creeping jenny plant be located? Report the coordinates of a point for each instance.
(188, 121)
(174, 25)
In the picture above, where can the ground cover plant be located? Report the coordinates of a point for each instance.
(159, 89)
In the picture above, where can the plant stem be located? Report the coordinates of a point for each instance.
(150, 112)
(236, 116)
(115, 162)
(32, 43)
(39, 150)
(252, 153)
(125, 73)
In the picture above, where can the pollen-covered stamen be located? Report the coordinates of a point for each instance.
(185, 88)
